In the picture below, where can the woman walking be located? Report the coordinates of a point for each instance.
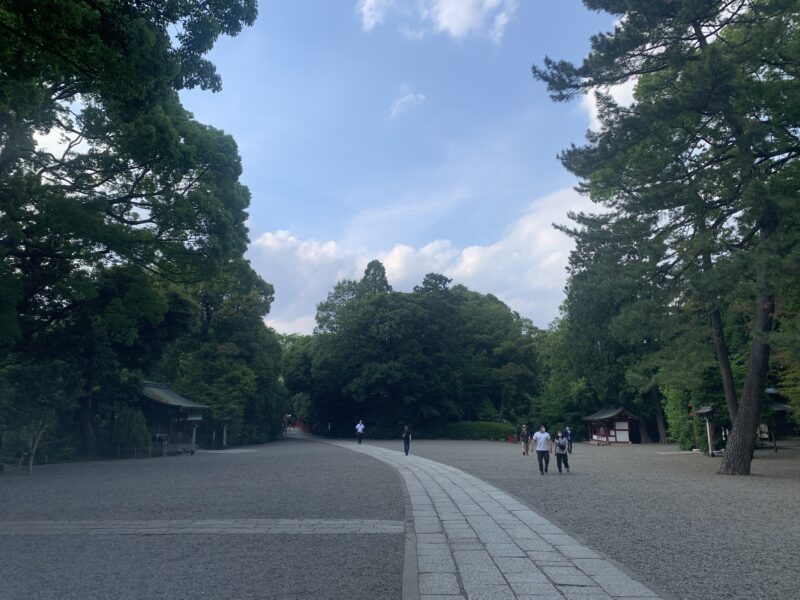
(562, 457)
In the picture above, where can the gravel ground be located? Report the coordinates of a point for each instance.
(308, 567)
(665, 515)
(292, 479)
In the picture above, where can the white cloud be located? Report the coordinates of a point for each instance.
(525, 267)
(455, 18)
(403, 103)
(373, 12)
(622, 94)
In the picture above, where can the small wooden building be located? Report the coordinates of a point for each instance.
(614, 426)
(172, 419)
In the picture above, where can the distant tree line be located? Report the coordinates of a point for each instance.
(425, 358)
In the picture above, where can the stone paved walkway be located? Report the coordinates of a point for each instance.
(475, 542)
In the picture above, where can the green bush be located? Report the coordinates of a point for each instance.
(678, 419)
(471, 430)
(130, 430)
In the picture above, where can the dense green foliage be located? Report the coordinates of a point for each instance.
(426, 358)
(126, 237)
(471, 430)
(698, 180)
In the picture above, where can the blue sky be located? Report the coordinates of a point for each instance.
(405, 130)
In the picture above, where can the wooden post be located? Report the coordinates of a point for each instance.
(213, 438)
(194, 436)
(710, 441)
(224, 435)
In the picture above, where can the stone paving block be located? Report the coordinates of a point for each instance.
(438, 583)
(496, 550)
(509, 565)
(567, 576)
(623, 587)
(534, 588)
(449, 516)
(597, 566)
(441, 597)
(536, 544)
(555, 596)
(489, 592)
(583, 593)
(558, 539)
(473, 510)
(482, 522)
(462, 535)
(465, 545)
(480, 576)
(431, 538)
(521, 533)
(528, 577)
(473, 557)
(493, 537)
(432, 548)
(530, 517)
(577, 552)
(435, 563)
(424, 526)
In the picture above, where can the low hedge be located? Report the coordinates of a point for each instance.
(471, 430)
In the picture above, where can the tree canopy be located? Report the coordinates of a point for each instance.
(699, 176)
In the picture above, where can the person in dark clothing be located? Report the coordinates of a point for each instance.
(406, 439)
(561, 445)
(525, 439)
(568, 435)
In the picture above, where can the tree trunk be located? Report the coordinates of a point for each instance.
(87, 422)
(723, 358)
(742, 440)
(33, 445)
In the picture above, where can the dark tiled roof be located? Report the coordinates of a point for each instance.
(160, 392)
(609, 413)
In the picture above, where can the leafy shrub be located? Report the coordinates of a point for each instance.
(131, 429)
(678, 418)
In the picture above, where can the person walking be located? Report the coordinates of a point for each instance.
(562, 457)
(360, 431)
(406, 439)
(544, 447)
(525, 440)
(568, 435)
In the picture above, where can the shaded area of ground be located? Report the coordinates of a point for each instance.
(289, 479)
(665, 515)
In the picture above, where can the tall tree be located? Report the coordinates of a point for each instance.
(706, 157)
(135, 181)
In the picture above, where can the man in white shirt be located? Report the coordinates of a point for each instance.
(543, 449)
(360, 431)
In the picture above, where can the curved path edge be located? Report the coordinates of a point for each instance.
(468, 540)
